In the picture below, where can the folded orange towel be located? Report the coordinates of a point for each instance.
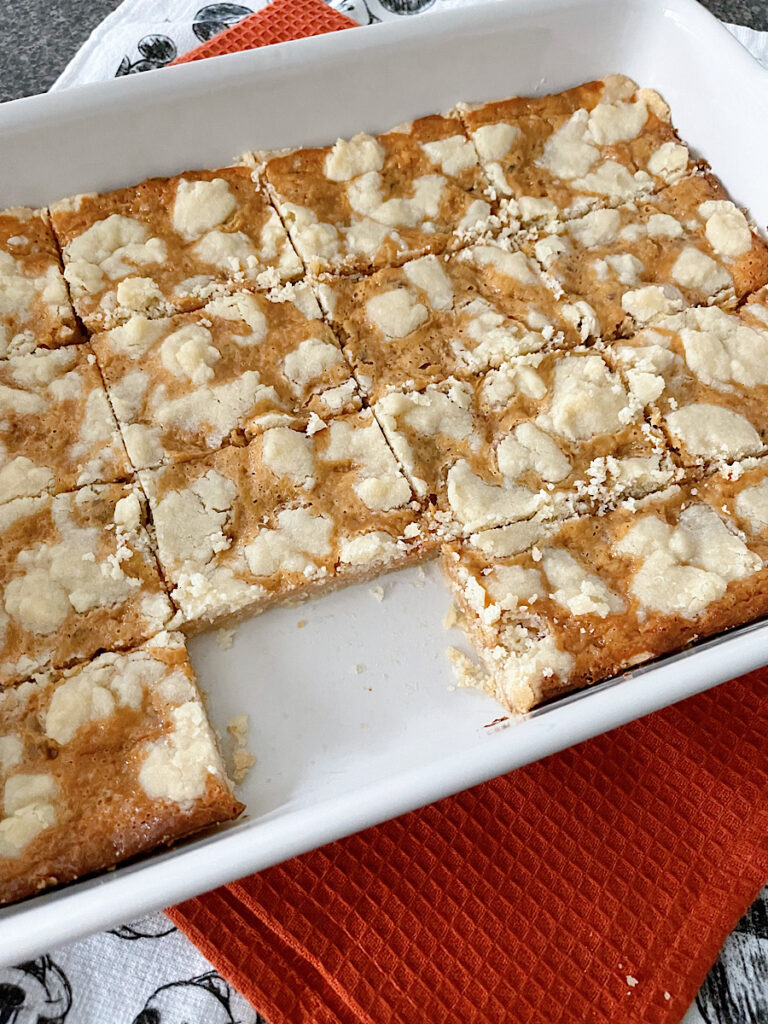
(276, 23)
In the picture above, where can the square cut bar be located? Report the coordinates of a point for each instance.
(186, 385)
(552, 608)
(704, 376)
(410, 326)
(168, 245)
(35, 311)
(104, 761)
(77, 575)
(514, 283)
(687, 246)
(57, 430)
(544, 434)
(375, 201)
(554, 157)
(292, 514)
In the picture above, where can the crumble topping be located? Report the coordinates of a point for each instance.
(35, 311)
(371, 201)
(126, 745)
(294, 509)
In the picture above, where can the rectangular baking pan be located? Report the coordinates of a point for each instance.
(352, 718)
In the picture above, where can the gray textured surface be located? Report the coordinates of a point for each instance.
(38, 37)
(744, 12)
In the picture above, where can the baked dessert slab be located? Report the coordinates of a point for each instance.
(546, 434)
(57, 430)
(374, 201)
(77, 576)
(103, 761)
(433, 318)
(600, 504)
(293, 513)
(35, 311)
(704, 376)
(555, 607)
(688, 245)
(555, 157)
(188, 384)
(168, 245)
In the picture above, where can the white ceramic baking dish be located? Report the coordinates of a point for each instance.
(353, 718)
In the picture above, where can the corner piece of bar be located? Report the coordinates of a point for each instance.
(551, 158)
(168, 245)
(555, 607)
(102, 762)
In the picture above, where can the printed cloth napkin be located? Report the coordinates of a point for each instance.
(595, 886)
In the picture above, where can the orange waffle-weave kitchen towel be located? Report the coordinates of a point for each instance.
(595, 887)
(277, 23)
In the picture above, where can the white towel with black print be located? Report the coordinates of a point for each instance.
(143, 973)
(147, 972)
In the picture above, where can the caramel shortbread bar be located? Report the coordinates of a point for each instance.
(57, 431)
(169, 244)
(410, 326)
(704, 377)
(513, 282)
(77, 575)
(104, 761)
(552, 608)
(556, 157)
(186, 385)
(35, 311)
(295, 512)
(374, 201)
(687, 246)
(545, 434)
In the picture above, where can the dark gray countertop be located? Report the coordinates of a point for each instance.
(39, 37)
